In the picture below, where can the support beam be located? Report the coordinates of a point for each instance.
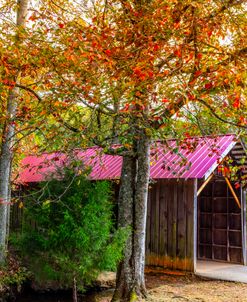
(233, 192)
(204, 184)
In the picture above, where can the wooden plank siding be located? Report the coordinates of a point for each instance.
(170, 235)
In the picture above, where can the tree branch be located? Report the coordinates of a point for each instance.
(212, 110)
(29, 90)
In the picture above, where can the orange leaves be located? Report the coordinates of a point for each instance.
(8, 83)
(33, 17)
(242, 120)
(126, 108)
(177, 25)
(178, 52)
(140, 74)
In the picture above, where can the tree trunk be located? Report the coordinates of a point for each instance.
(130, 283)
(140, 206)
(6, 152)
(124, 280)
(5, 171)
(75, 297)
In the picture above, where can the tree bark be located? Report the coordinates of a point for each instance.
(75, 297)
(6, 152)
(130, 283)
(5, 171)
(124, 280)
(140, 206)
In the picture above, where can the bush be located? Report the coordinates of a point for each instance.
(69, 231)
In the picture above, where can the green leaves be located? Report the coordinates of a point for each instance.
(74, 231)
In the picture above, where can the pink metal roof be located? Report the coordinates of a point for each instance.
(192, 158)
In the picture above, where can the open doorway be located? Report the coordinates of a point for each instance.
(220, 231)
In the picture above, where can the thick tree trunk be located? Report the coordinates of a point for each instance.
(6, 152)
(5, 172)
(130, 282)
(124, 281)
(140, 206)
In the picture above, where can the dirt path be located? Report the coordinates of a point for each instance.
(164, 288)
(178, 287)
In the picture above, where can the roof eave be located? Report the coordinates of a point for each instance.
(223, 155)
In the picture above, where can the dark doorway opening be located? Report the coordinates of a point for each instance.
(219, 234)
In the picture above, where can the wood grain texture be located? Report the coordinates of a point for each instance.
(171, 224)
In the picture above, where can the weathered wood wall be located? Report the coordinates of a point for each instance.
(170, 224)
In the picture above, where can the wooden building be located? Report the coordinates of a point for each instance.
(194, 210)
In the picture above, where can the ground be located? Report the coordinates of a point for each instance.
(168, 286)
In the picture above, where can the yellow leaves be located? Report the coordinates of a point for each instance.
(148, 132)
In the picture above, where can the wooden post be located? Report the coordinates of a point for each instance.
(243, 219)
(195, 225)
(233, 192)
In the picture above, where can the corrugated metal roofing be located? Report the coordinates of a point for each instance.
(193, 158)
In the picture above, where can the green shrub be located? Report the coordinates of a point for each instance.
(69, 231)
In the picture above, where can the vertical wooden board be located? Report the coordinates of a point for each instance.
(152, 219)
(169, 216)
(174, 218)
(243, 220)
(163, 217)
(195, 205)
(189, 187)
(157, 216)
(181, 221)
(148, 224)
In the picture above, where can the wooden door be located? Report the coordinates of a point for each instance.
(219, 224)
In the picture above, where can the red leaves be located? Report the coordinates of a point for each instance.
(9, 83)
(178, 53)
(94, 44)
(61, 25)
(191, 96)
(142, 75)
(126, 108)
(165, 100)
(108, 52)
(242, 120)
(198, 73)
(236, 104)
(137, 71)
(199, 56)
(209, 33)
(237, 185)
(156, 47)
(208, 85)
